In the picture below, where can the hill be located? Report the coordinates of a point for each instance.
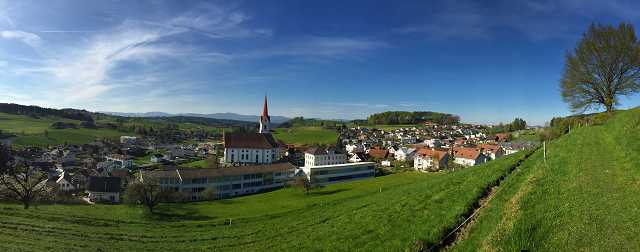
(306, 135)
(584, 197)
(221, 116)
(390, 213)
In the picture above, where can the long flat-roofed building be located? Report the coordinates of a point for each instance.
(327, 174)
(227, 182)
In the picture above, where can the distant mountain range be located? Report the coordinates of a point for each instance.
(224, 116)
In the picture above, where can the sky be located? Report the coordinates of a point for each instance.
(487, 61)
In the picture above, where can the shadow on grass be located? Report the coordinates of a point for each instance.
(176, 212)
(330, 192)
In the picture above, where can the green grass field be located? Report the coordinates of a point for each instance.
(387, 213)
(585, 198)
(306, 135)
(30, 131)
(210, 162)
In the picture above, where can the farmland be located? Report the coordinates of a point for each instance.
(584, 197)
(31, 131)
(392, 212)
(306, 135)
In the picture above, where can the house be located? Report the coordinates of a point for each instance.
(128, 140)
(502, 137)
(157, 158)
(319, 156)
(250, 148)
(104, 189)
(64, 183)
(492, 151)
(227, 182)
(429, 159)
(404, 154)
(357, 157)
(468, 156)
(378, 153)
(327, 174)
(119, 162)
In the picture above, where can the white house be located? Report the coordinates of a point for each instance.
(468, 156)
(318, 156)
(356, 157)
(104, 189)
(492, 151)
(427, 159)
(404, 154)
(120, 161)
(354, 148)
(128, 139)
(64, 183)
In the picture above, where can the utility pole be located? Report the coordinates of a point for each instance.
(544, 151)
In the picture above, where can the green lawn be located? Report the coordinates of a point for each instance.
(210, 162)
(30, 131)
(387, 213)
(306, 135)
(585, 198)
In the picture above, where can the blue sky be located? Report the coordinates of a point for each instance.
(487, 61)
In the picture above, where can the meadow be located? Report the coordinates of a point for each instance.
(389, 213)
(306, 135)
(31, 131)
(584, 197)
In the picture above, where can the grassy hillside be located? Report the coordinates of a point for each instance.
(388, 213)
(30, 131)
(306, 135)
(585, 197)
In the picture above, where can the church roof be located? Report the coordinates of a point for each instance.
(249, 140)
(265, 111)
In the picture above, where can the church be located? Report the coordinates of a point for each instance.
(252, 148)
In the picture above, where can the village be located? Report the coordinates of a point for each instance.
(243, 163)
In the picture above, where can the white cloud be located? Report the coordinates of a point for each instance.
(30, 39)
(316, 46)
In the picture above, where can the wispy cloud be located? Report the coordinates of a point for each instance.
(320, 47)
(30, 39)
(537, 19)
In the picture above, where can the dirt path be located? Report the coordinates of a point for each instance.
(463, 227)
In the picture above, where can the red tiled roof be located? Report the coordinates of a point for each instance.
(378, 153)
(249, 140)
(431, 152)
(468, 153)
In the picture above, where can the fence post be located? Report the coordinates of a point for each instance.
(544, 151)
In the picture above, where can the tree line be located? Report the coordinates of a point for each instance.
(405, 117)
(36, 111)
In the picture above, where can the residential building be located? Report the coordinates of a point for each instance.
(404, 153)
(492, 151)
(429, 159)
(128, 139)
(468, 156)
(104, 189)
(227, 182)
(119, 161)
(319, 156)
(64, 182)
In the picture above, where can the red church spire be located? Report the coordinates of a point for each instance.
(265, 112)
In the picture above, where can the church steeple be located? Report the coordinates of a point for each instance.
(265, 120)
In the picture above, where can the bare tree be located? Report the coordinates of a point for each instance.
(19, 181)
(604, 65)
(302, 182)
(147, 192)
